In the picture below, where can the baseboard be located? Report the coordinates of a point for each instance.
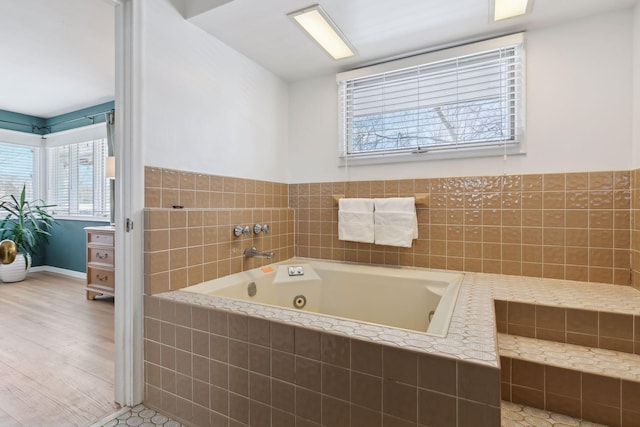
(58, 270)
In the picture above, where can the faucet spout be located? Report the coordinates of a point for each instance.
(255, 253)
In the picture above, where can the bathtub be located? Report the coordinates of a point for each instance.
(407, 298)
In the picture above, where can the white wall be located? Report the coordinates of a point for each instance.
(636, 88)
(579, 101)
(207, 108)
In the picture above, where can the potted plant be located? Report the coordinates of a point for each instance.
(27, 223)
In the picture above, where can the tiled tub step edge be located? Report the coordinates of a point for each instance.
(589, 383)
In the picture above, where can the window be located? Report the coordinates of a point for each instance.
(76, 179)
(460, 99)
(18, 167)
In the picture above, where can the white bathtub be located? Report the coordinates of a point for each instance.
(407, 298)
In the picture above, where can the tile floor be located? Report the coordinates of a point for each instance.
(143, 417)
(513, 415)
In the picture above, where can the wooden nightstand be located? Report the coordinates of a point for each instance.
(100, 261)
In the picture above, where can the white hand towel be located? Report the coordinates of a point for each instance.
(355, 220)
(396, 222)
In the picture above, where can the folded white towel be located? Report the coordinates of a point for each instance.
(396, 222)
(355, 220)
(355, 205)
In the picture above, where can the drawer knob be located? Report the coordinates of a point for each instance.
(102, 256)
(101, 278)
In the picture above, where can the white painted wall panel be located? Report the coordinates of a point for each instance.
(207, 108)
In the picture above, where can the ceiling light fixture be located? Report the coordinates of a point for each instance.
(505, 9)
(319, 26)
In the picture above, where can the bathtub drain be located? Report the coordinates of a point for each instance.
(299, 301)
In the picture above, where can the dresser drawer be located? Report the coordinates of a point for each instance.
(100, 277)
(100, 239)
(101, 255)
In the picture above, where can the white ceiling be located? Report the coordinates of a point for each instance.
(58, 55)
(379, 29)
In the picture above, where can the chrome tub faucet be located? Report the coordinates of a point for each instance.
(255, 253)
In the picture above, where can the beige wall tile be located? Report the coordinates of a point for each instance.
(473, 223)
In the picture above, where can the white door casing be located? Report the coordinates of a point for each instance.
(129, 204)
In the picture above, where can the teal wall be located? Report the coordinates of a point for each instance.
(66, 247)
(41, 126)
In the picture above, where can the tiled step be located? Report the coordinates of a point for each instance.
(588, 383)
(517, 415)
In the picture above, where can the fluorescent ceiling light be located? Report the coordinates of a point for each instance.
(320, 27)
(505, 9)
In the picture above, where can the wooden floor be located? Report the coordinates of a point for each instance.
(56, 353)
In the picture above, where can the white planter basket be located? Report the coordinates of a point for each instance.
(16, 271)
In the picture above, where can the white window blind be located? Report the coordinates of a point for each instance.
(18, 167)
(76, 179)
(473, 100)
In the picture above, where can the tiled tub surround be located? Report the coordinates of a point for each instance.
(195, 243)
(209, 359)
(188, 246)
(573, 226)
(263, 371)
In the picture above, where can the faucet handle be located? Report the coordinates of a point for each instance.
(238, 230)
(257, 229)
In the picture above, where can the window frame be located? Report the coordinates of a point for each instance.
(404, 155)
(34, 141)
(73, 136)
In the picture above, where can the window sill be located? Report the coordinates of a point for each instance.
(468, 153)
(82, 218)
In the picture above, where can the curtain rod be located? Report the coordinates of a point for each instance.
(48, 127)
(88, 116)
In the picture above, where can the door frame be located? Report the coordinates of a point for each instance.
(129, 205)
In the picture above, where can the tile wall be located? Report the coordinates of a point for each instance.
(635, 227)
(205, 366)
(575, 226)
(189, 245)
(572, 226)
(165, 188)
